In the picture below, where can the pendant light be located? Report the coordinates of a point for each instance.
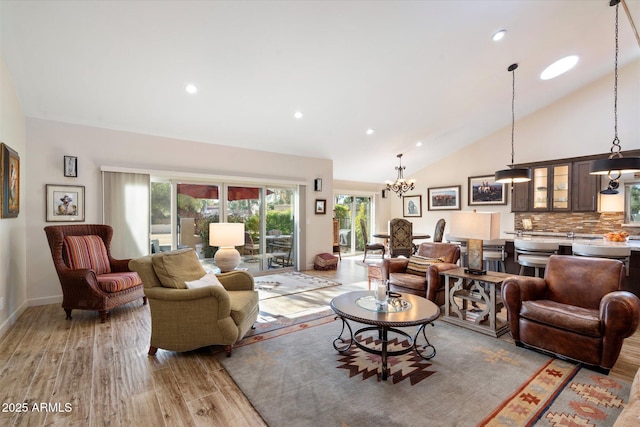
(401, 185)
(513, 174)
(615, 165)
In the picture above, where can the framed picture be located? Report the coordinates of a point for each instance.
(444, 198)
(65, 203)
(10, 167)
(71, 166)
(483, 190)
(321, 206)
(412, 206)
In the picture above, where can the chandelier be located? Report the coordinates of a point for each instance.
(615, 165)
(401, 185)
(513, 174)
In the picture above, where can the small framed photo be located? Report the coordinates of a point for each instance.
(71, 166)
(10, 176)
(483, 190)
(444, 198)
(321, 206)
(65, 203)
(412, 206)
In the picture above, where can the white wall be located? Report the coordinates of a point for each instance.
(49, 141)
(13, 256)
(580, 124)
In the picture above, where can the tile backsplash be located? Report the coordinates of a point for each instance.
(578, 222)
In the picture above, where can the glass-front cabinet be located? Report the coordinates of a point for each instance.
(550, 188)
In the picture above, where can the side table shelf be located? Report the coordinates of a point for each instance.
(473, 301)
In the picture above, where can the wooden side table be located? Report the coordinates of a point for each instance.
(375, 272)
(480, 301)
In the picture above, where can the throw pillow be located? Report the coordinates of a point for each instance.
(418, 265)
(87, 252)
(177, 267)
(209, 279)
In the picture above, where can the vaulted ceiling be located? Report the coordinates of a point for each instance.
(411, 70)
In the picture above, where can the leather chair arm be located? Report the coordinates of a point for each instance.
(237, 281)
(620, 313)
(393, 265)
(440, 267)
(514, 291)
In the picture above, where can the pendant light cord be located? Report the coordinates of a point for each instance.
(513, 114)
(616, 142)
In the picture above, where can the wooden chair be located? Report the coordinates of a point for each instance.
(438, 234)
(250, 247)
(367, 245)
(90, 277)
(400, 237)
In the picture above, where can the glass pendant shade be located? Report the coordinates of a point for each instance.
(401, 185)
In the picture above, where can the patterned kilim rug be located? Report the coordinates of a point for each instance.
(294, 377)
(293, 282)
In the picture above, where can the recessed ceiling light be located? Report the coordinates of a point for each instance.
(499, 35)
(561, 66)
(370, 131)
(298, 115)
(419, 144)
(191, 88)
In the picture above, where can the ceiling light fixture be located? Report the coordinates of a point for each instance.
(401, 185)
(513, 174)
(370, 131)
(561, 66)
(499, 35)
(419, 144)
(615, 165)
(190, 88)
(298, 115)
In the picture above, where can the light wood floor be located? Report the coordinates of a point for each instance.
(102, 373)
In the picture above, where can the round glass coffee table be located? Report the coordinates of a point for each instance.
(402, 310)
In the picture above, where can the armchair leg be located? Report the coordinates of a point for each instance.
(144, 300)
(68, 311)
(152, 350)
(228, 349)
(103, 315)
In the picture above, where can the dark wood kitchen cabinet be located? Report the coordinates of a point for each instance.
(584, 191)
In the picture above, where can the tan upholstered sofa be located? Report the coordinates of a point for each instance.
(630, 415)
(186, 319)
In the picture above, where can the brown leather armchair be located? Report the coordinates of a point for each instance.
(577, 311)
(430, 286)
(87, 288)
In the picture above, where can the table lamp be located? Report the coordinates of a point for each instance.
(226, 236)
(476, 227)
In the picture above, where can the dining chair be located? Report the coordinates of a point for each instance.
(400, 238)
(438, 234)
(369, 246)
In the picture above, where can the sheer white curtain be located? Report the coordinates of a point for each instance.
(125, 207)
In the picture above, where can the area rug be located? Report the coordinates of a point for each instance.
(294, 377)
(275, 285)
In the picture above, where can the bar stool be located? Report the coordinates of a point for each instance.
(620, 253)
(534, 254)
(493, 253)
(462, 261)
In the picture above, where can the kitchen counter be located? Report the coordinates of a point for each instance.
(564, 240)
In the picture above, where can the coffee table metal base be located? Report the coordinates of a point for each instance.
(342, 345)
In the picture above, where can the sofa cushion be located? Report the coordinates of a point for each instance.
(116, 282)
(174, 268)
(583, 321)
(209, 279)
(87, 251)
(418, 264)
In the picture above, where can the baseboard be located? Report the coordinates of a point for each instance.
(45, 301)
(4, 327)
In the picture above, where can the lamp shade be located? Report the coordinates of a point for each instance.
(513, 175)
(226, 234)
(617, 165)
(475, 225)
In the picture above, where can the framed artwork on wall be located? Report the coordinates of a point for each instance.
(321, 206)
(444, 198)
(10, 166)
(412, 206)
(71, 166)
(65, 203)
(483, 190)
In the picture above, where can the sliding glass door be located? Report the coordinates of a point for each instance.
(351, 211)
(181, 219)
